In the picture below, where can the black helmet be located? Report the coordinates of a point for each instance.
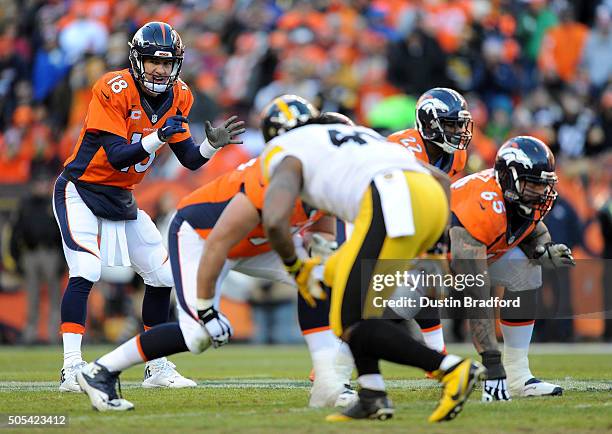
(334, 118)
(442, 117)
(522, 160)
(285, 113)
(156, 40)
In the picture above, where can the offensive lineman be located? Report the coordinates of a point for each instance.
(496, 229)
(442, 135)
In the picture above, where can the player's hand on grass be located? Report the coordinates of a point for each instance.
(552, 255)
(217, 326)
(495, 389)
(224, 135)
(172, 126)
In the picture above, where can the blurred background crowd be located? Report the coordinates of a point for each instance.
(538, 67)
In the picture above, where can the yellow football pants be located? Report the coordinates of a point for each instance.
(369, 240)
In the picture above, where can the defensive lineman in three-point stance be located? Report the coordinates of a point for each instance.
(399, 210)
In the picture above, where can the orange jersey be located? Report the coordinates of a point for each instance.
(477, 204)
(411, 139)
(116, 107)
(202, 208)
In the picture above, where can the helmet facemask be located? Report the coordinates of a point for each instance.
(142, 49)
(137, 61)
(450, 132)
(533, 195)
(453, 134)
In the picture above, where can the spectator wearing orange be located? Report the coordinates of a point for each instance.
(562, 48)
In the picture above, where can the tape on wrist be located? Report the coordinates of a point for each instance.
(207, 150)
(204, 303)
(151, 142)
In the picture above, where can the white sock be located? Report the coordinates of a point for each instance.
(449, 361)
(372, 382)
(122, 357)
(344, 363)
(517, 336)
(434, 339)
(516, 354)
(72, 348)
(319, 341)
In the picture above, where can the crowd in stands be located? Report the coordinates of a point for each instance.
(538, 67)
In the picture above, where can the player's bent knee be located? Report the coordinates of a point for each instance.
(159, 277)
(87, 266)
(196, 338)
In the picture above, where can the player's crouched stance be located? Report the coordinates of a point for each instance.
(399, 210)
(200, 325)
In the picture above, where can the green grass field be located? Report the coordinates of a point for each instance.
(264, 389)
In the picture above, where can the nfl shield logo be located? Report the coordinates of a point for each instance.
(154, 119)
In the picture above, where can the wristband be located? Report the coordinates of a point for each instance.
(293, 265)
(204, 303)
(207, 150)
(151, 143)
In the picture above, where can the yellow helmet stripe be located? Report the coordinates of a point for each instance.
(282, 105)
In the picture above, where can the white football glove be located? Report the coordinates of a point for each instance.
(551, 255)
(216, 325)
(495, 390)
(321, 247)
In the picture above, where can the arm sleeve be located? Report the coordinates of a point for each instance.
(188, 153)
(119, 153)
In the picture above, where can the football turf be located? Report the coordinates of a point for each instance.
(264, 389)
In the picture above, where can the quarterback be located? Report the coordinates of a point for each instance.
(496, 231)
(442, 135)
(398, 209)
(133, 113)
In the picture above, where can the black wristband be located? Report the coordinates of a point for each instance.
(290, 262)
(493, 363)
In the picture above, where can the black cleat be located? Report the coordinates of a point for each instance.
(372, 404)
(99, 384)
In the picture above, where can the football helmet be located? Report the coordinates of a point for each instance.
(525, 170)
(443, 118)
(156, 40)
(285, 113)
(335, 118)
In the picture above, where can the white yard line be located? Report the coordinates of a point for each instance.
(567, 383)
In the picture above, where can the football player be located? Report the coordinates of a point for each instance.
(217, 228)
(496, 229)
(133, 113)
(443, 132)
(398, 209)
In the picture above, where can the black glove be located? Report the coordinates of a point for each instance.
(223, 136)
(172, 126)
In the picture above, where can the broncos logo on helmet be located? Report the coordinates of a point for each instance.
(443, 118)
